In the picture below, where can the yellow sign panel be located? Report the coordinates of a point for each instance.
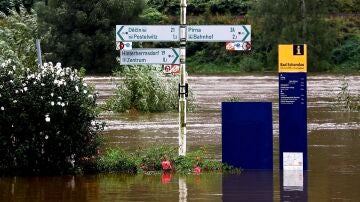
(292, 58)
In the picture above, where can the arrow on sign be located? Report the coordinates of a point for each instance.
(119, 33)
(176, 56)
(247, 32)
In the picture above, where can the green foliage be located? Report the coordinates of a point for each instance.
(295, 22)
(152, 16)
(47, 119)
(249, 64)
(17, 39)
(149, 160)
(116, 160)
(199, 7)
(347, 55)
(7, 5)
(82, 33)
(345, 100)
(234, 7)
(145, 89)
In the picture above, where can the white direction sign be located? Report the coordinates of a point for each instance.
(150, 56)
(147, 33)
(218, 33)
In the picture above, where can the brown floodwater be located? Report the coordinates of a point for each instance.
(333, 143)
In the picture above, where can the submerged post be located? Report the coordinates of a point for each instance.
(183, 83)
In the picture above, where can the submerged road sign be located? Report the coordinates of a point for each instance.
(150, 56)
(218, 33)
(147, 33)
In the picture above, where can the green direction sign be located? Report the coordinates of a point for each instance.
(150, 56)
(148, 33)
(218, 33)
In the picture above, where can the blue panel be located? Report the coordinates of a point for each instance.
(247, 138)
(292, 115)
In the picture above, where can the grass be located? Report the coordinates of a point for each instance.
(149, 161)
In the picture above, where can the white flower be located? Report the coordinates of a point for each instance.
(77, 88)
(47, 137)
(25, 89)
(85, 84)
(63, 104)
(10, 72)
(90, 96)
(11, 81)
(52, 94)
(60, 98)
(47, 118)
(58, 103)
(2, 108)
(58, 65)
(52, 103)
(85, 91)
(15, 101)
(42, 84)
(16, 91)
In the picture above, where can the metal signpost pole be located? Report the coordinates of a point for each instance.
(38, 52)
(183, 83)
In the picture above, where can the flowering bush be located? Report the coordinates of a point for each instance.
(46, 119)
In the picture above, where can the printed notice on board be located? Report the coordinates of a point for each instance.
(293, 160)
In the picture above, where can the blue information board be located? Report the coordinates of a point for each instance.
(247, 135)
(293, 115)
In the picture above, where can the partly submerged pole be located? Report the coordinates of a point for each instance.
(183, 83)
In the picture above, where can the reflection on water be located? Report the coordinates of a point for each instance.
(113, 187)
(294, 185)
(250, 186)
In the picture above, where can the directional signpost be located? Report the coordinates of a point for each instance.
(150, 56)
(147, 33)
(175, 33)
(218, 33)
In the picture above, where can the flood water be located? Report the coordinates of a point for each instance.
(333, 144)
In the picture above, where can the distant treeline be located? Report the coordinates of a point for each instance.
(82, 33)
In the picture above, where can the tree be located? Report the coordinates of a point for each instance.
(295, 22)
(82, 33)
(7, 5)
